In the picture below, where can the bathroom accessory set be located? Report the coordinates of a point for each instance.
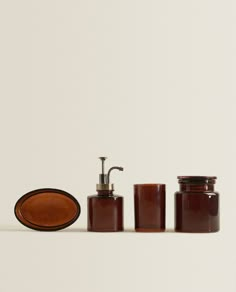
(196, 206)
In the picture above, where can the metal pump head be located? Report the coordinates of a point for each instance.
(104, 179)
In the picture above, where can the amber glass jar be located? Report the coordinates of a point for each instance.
(149, 207)
(196, 205)
(105, 212)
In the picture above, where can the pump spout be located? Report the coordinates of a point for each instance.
(112, 168)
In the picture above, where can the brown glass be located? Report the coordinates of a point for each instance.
(105, 212)
(47, 209)
(149, 207)
(196, 205)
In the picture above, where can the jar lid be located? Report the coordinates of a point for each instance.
(47, 209)
(197, 179)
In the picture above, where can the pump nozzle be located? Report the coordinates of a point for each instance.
(112, 168)
(104, 179)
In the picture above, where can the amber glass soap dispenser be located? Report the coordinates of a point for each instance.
(105, 210)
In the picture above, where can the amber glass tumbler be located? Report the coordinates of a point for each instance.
(149, 207)
(196, 205)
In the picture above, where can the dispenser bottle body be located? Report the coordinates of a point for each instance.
(105, 213)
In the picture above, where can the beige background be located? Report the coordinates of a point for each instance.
(151, 85)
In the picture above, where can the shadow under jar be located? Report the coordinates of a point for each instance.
(196, 205)
(149, 207)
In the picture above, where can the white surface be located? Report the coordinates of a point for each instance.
(80, 261)
(150, 84)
